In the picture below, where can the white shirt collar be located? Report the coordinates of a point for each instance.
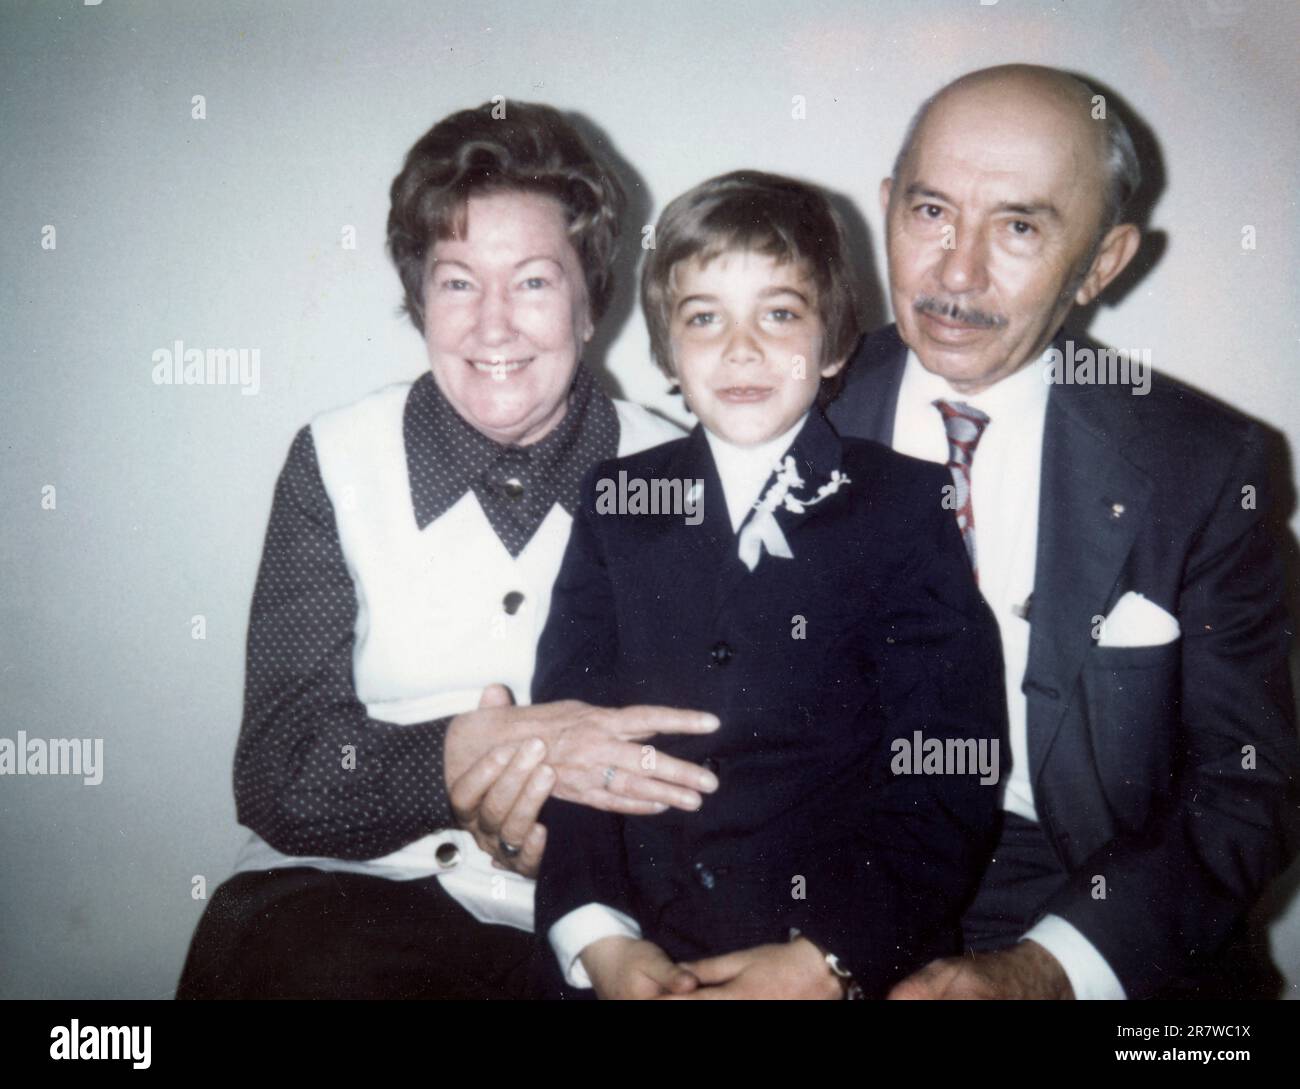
(744, 470)
(1009, 399)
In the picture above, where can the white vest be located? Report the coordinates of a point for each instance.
(431, 631)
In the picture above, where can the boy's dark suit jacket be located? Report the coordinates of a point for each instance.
(650, 610)
(1138, 756)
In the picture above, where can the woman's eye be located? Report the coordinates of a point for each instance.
(702, 317)
(783, 315)
(535, 282)
(454, 285)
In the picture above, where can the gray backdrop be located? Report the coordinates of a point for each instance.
(227, 231)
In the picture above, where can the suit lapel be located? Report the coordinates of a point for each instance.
(816, 450)
(817, 453)
(868, 403)
(693, 461)
(1092, 504)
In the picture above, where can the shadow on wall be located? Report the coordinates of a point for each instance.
(640, 214)
(1281, 491)
(635, 216)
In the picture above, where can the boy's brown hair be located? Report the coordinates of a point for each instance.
(780, 217)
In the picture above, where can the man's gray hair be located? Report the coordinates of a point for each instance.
(1123, 171)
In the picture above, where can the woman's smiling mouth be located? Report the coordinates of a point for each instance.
(499, 368)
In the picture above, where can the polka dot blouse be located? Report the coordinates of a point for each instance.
(300, 703)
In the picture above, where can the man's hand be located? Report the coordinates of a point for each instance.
(794, 970)
(1026, 970)
(630, 968)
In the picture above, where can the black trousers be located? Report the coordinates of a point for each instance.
(1024, 874)
(305, 933)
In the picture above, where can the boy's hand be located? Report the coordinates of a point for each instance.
(793, 970)
(630, 968)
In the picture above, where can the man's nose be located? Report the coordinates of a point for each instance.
(963, 262)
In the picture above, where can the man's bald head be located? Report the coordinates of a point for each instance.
(1003, 213)
(1015, 90)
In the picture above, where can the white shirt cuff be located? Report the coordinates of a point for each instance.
(1089, 974)
(577, 930)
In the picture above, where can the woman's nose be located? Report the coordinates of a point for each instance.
(495, 318)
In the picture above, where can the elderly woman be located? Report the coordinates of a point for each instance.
(390, 783)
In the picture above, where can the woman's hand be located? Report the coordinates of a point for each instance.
(631, 968)
(599, 762)
(498, 800)
(592, 749)
(497, 781)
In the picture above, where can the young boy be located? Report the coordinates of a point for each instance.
(823, 607)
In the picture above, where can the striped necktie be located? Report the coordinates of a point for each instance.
(964, 426)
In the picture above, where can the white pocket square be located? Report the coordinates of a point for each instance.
(1137, 622)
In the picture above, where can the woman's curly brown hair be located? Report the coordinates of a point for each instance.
(517, 146)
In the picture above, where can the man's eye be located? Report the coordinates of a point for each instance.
(1022, 228)
(931, 211)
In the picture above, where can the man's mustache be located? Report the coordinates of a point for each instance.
(929, 304)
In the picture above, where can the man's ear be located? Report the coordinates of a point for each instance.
(1117, 249)
(886, 185)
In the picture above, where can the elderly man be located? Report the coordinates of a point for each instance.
(1117, 528)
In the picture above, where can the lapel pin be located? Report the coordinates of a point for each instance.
(1117, 510)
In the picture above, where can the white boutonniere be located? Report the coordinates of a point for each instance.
(762, 531)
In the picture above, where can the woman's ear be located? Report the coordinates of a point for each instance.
(582, 316)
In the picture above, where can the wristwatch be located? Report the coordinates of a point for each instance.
(851, 988)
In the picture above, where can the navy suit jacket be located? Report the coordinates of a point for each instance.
(810, 826)
(1169, 771)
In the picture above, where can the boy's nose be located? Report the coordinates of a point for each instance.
(742, 346)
